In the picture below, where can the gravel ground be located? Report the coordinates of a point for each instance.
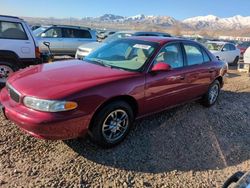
(188, 146)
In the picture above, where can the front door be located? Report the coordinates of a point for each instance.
(164, 89)
(54, 37)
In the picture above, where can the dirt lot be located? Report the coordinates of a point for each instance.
(189, 146)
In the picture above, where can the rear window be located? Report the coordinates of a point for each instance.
(12, 30)
(194, 55)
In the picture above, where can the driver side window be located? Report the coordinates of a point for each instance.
(172, 55)
(53, 33)
(226, 47)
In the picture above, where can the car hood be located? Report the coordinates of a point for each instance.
(63, 78)
(91, 46)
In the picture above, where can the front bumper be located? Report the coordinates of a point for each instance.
(81, 54)
(44, 125)
(225, 78)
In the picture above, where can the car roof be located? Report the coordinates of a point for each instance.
(10, 18)
(71, 27)
(151, 32)
(219, 42)
(160, 40)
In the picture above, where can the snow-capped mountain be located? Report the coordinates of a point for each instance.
(214, 22)
(199, 22)
(141, 18)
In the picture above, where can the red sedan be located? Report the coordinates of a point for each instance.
(116, 84)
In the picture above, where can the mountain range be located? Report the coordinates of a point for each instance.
(199, 22)
(209, 25)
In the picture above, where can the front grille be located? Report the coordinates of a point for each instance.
(14, 94)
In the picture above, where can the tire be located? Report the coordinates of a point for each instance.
(106, 123)
(6, 68)
(236, 60)
(210, 98)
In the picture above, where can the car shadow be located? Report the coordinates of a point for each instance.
(189, 137)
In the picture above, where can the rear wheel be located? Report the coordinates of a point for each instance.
(6, 68)
(212, 94)
(112, 124)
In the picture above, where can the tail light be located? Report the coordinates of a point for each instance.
(37, 52)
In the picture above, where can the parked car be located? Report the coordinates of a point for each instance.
(64, 40)
(246, 56)
(85, 49)
(238, 180)
(243, 47)
(225, 51)
(124, 80)
(18, 47)
(105, 34)
(34, 27)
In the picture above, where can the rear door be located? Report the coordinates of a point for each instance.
(198, 71)
(14, 36)
(234, 51)
(227, 53)
(73, 38)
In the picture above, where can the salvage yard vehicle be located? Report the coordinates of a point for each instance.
(226, 51)
(243, 47)
(124, 80)
(18, 47)
(64, 40)
(85, 49)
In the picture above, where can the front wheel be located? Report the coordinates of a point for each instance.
(212, 94)
(6, 69)
(112, 124)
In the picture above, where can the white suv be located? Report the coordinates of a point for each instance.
(18, 47)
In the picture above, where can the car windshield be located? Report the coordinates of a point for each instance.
(38, 31)
(244, 45)
(214, 46)
(116, 36)
(123, 54)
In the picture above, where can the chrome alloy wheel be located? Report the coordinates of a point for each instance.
(4, 73)
(213, 93)
(115, 125)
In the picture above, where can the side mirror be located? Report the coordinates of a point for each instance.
(224, 49)
(47, 44)
(161, 66)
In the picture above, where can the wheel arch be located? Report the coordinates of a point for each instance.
(7, 54)
(125, 98)
(220, 79)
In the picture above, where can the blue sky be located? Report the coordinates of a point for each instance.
(179, 9)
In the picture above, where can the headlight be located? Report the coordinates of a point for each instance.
(48, 105)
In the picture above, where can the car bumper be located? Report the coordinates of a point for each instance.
(225, 78)
(80, 55)
(51, 126)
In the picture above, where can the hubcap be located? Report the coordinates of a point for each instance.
(115, 125)
(213, 93)
(4, 73)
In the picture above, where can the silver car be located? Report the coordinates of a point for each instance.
(64, 40)
(85, 49)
